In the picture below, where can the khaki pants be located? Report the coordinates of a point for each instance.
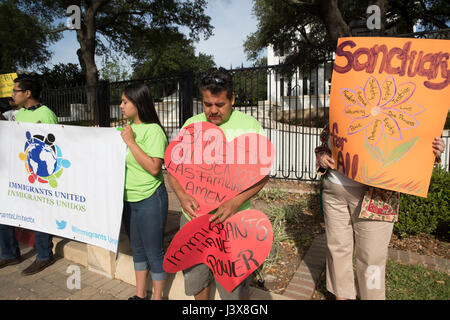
(345, 233)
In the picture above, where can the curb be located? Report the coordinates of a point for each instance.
(305, 279)
(432, 263)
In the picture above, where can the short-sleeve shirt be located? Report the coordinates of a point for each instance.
(238, 123)
(139, 183)
(10, 115)
(41, 114)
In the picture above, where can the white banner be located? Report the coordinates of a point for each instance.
(63, 180)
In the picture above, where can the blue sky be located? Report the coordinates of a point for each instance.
(232, 21)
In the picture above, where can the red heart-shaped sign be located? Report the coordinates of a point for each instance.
(213, 170)
(232, 249)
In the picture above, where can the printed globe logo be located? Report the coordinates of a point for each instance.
(43, 159)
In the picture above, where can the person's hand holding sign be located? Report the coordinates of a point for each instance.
(187, 201)
(325, 162)
(127, 134)
(225, 211)
(151, 164)
(438, 146)
(188, 204)
(230, 207)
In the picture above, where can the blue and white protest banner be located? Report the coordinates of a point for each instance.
(63, 180)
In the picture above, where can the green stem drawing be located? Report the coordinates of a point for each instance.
(397, 153)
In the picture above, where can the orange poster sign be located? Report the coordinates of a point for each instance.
(389, 99)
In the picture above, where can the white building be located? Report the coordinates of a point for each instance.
(298, 90)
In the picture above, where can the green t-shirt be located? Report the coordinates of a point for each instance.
(139, 183)
(42, 114)
(238, 123)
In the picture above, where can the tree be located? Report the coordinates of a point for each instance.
(113, 71)
(171, 57)
(23, 45)
(124, 23)
(401, 14)
(68, 74)
(330, 14)
(430, 14)
(310, 29)
(121, 23)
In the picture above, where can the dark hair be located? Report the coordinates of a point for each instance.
(139, 94)
(217, 80)
(27, 83)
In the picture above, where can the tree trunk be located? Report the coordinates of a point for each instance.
(332, 18)
(86, 56)
(328, 11)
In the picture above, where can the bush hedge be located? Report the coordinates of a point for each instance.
(429, 215)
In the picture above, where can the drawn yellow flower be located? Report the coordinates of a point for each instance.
(377, 110)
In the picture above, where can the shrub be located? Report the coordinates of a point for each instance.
(429, 215)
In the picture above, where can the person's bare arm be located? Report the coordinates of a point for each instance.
(151, 164)
(230, 207)
(187, 201)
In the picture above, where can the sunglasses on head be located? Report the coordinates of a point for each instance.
(216, 80)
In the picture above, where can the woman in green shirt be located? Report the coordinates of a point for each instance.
(145, 195)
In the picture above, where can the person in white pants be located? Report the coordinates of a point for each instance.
(349, 230)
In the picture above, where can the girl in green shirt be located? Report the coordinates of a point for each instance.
(145, 195)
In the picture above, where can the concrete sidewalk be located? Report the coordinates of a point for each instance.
(102, 275)
(59, 282)
(55, 283)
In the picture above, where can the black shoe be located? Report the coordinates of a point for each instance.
(9, 262)
(38, 266)
(138, 298)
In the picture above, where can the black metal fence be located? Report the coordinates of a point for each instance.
(172, 96)
(82, 105)
(291, 107)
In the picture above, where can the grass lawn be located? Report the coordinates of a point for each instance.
(415, 282)
(293, 217)
(406, 282)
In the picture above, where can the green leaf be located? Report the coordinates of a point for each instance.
(374, 152)
(400, 151)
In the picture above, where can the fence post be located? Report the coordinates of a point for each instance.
(103, 101)
(186, 103)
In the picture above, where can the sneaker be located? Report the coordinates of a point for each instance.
(9, 262)
(138, 298)
(38, 266)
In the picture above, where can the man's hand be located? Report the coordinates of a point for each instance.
(188, 204)
(230, 207)
(187, 201)
(225, 211)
